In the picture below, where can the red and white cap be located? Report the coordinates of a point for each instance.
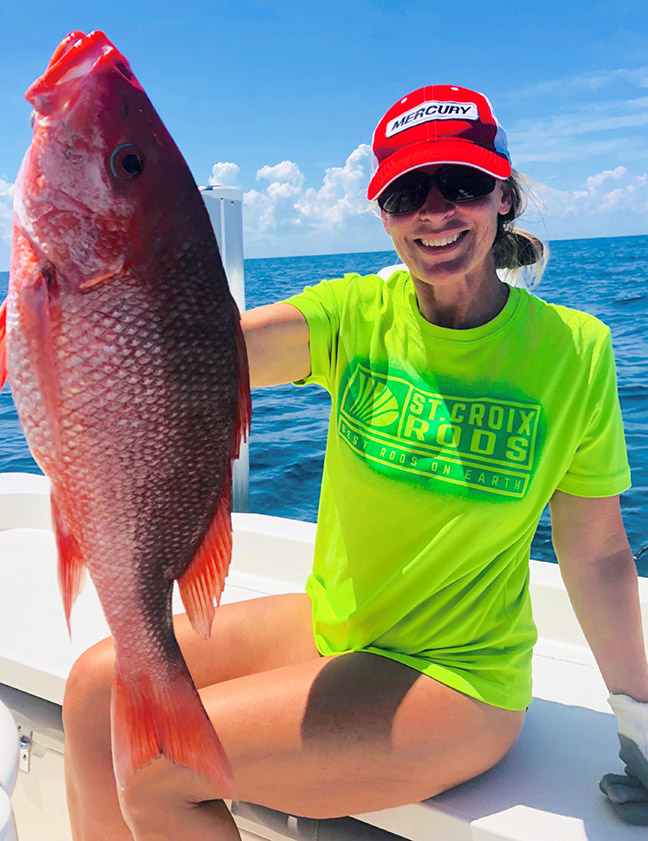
(438, 124)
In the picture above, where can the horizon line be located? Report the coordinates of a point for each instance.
(390, 250)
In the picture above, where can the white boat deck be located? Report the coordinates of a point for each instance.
(545, 789)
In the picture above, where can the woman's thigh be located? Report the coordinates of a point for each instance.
(342, 735)
(246, 637)
(249, 637)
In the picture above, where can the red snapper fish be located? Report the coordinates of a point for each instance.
(124, 351)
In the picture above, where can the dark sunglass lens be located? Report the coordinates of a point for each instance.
(406, 195)
(464, 184)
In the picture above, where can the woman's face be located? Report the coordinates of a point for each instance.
(443, 241)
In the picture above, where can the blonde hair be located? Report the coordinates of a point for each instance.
(515, 248)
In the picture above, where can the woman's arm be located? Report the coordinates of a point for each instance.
(276, 338)
(599, 572)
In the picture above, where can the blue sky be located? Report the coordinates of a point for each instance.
(280, 98)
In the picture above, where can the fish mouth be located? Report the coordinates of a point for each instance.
(74, 59)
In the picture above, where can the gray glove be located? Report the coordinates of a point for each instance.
(628, 793)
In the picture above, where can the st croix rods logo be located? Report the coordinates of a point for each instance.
(432, 111)
(483, 443)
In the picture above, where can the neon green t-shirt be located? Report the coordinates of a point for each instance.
(444, 446)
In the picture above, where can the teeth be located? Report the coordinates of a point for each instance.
(437, 243)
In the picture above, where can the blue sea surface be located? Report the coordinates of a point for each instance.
(605, 277)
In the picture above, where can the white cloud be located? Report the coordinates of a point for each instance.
(6, 208)
(342, 194)
(605, 203)
(267, 210)
(285, 172)
(587, 130)
(593, 81)
(594, 181)
(287, 208)
(224, 174)
(6, 189)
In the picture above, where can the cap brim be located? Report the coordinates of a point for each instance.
(428, 153)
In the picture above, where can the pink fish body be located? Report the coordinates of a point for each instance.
(125, 355)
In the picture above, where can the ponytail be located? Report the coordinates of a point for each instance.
(514, 248)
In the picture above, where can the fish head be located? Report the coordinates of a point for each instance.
(94, 191)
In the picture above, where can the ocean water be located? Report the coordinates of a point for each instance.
(605, 277)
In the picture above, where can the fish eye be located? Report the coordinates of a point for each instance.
(126, 162)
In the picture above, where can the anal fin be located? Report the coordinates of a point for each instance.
(204, 580)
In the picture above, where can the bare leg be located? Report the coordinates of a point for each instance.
(246, 637)
(326, 738)
(319, 737)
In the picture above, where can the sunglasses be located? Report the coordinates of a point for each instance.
(455, 183)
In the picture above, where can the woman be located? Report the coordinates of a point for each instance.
(405, 669)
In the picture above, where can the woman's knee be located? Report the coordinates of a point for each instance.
(86, 702)
(158, 792)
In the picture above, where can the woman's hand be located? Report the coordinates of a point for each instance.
(277, 342)
(628, 793)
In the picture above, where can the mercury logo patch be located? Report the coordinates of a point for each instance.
(432, 111)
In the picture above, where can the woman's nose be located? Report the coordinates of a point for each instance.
(436, 203)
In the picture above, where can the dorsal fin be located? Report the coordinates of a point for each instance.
(204, 580)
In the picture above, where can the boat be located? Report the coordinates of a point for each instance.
(544, 789)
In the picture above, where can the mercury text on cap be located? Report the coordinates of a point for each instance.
(427, 111)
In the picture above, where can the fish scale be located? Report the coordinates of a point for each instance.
(128, 367)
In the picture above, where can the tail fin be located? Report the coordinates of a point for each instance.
(3, 343)
(153, 718)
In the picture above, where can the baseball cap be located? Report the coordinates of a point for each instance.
(438, 124)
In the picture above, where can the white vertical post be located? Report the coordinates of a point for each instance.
(225, 208)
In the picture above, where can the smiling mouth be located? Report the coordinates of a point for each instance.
(441, 242)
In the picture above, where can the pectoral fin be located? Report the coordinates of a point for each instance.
(37, 311)
(71, 562)
(38, 325)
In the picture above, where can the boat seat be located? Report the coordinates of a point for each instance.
(545, 789)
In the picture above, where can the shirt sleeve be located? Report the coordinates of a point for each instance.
(321, 306)
(600, 463)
